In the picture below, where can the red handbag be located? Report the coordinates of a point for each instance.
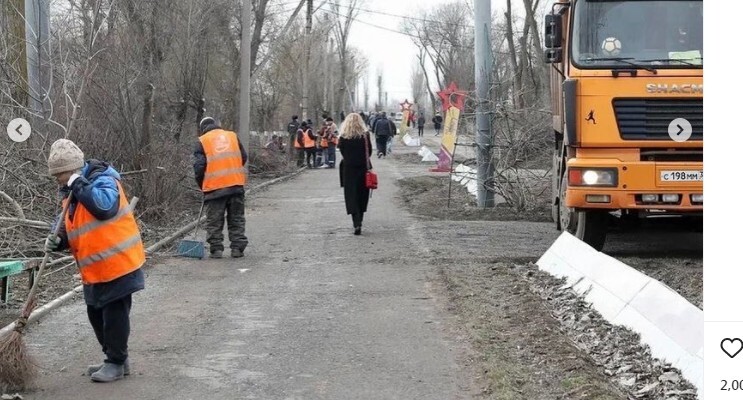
(371, 177)
(371, 180)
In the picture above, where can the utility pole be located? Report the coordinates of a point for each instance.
(37, 51)
(366, 93)
(332, 83)
(483, 72)
(379, 93)
(326, 70)
(307, 53)
(245, 40)
(13, 13)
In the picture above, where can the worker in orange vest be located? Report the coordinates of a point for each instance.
(306, 140)
(329, 143)
(100, 230)
(219, 160)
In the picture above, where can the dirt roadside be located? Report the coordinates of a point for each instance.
(531, 339)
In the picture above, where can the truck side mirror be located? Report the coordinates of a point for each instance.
(553, 38)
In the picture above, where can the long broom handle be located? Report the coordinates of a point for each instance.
(30, 300)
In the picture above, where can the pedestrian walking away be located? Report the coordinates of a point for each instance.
(355, 146)
(382, 131)
(421, 123)
(437, 121)
(100, 231)
(219, 160)
(391, 138)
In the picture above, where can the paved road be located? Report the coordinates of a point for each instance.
(312, 312)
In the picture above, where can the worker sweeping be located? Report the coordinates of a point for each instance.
(100, 230)
(219, 160)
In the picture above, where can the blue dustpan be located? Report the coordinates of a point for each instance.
(192, 248)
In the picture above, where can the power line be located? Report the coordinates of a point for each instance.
(356, 19)
(395, 15)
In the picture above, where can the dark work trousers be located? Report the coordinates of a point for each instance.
(420, 130)
(300, 156)
(111, 326)
(382, 144)
(330, 151)
(311, 155)
(234, 207)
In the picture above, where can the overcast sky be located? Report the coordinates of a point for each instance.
(392, 52)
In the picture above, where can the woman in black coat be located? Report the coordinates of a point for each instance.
(355, 146)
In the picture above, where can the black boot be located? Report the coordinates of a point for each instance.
(357, 218)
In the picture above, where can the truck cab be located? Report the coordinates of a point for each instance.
(627, 98)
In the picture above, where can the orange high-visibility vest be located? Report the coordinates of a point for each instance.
(224, 163)
(105, 250)
(324, 140)
(299, 134)
(309, 143)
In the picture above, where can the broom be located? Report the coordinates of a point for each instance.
(17, 369)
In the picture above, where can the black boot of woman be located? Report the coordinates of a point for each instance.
(357, 220)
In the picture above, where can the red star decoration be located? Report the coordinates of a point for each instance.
(406, 105)
(452, 96)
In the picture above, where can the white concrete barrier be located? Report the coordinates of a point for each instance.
(427, 154)
(669, 324)
(467, 177)
(411, 141)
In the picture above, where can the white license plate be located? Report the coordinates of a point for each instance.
(682, 176)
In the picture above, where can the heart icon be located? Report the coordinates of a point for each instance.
(731, 347)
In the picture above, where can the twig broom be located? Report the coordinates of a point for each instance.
(17, 368)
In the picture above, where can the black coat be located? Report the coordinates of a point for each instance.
(353, 172)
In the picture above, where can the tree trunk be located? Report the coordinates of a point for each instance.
(13, 13)
(518, 98)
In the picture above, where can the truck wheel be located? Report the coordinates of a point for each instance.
(592, 227)
(588, 226)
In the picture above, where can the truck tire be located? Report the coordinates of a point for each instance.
(589, 226)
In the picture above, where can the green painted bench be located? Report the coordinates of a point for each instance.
(10, 268)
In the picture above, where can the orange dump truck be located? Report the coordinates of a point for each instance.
(627, 96)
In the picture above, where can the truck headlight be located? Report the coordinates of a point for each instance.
(592, 177)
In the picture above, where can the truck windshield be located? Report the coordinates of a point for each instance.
(656, 33)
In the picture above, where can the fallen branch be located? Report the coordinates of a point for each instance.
(16, 206)
(141, 171)
(27, 222)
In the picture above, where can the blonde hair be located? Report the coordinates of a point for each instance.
(353, 127)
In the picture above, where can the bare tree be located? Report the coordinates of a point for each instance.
(418, 86)
(343, 22)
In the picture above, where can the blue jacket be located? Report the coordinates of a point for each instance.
(97, 191)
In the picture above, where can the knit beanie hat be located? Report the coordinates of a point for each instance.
(65, 156)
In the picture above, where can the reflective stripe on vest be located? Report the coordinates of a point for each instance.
(224, 166)
(105, 249)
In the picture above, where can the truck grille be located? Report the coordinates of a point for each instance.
(648, 119)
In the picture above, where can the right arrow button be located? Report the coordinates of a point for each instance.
(679, 130)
